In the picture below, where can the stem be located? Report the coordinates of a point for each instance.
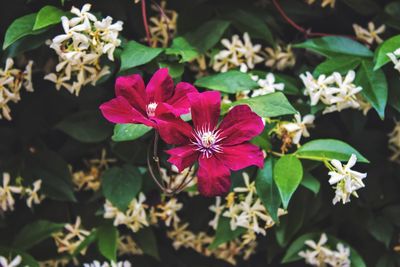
(146, 25)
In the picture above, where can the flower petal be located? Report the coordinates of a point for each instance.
(131, 87)
(240, 125)
(241, 156)
(205, 108)
(213, 177)
(160, 87)
(118, 110)
(179, 102)
(183, 156)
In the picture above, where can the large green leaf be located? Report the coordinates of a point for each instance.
(129, 132)
(181, 47)
(207, 35)
(288, 173)
(374, 84)
(224, 233)
(107, 237)
(328, 149)
(292, 253)
(146, 239)
(381, 229)
(228, 82)
(48, 15)
(310, 182)
(341, 64)
(267, 189)
(333, 46)
(135, 54)
(34, 233)
(86, 126)
(388, 46)
(121, 184)
(271, 105)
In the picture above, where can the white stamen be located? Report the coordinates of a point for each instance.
(151, 109)
(207, 141)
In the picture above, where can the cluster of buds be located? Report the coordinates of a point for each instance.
(8, 191)
(162, 27)
(11, 82)
(70, 239)
(244, 209)
(336, 92)
(80, 48)
(321, 255)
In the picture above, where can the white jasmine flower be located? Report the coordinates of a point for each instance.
(6, 193)
(298, 128)
(33, 194)
(168, 211)
(127, 246)
(394, 143)
(346, 180)
(163, 26)
(394, 57)
(369, 35)
(106, 264)
(217, 208)
(70, 239)
(280, 58)
(267, 86)
(319, 253)
(13, 263)
(250, 52)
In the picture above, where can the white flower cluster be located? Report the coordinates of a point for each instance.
(245, 211)
(163, 27)
(369, 35)
(237, 52)
(336, 92)
(295, 130)
(394, 143)
(134, 217)
(106, 264)
(84, 42)
(12, 263)
(7, 200)
(322, 256)
(11, 82)
(280, 57)
(69, 240)
(394, 57)
(167, 211)
(346, 181)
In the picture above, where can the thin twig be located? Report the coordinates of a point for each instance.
(146, 25)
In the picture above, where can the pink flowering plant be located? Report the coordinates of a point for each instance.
(200, 133)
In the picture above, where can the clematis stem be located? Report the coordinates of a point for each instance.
(146, 25)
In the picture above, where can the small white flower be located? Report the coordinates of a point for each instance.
(369, 35)
(217, 208)
(298, 128)
(267, 86)
(6, 193)
(394, 57)
(33, 194)
(13, 263)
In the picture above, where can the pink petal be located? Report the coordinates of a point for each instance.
(205, 108)
(179, 103)
(241, 156)
(183, 156)
(240, 125)
(160, 87)
(173, 130)
(131, 87)
(118, 110)
(213, 177)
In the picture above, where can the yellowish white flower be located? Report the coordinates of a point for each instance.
(394, 57)
(267, 86)
(298, 128)
(178, 179)
(217, 208)
(6, 193)
(33, 194)
(106, 264)
(346, 181)
(167, 211)
(85, 40)
(369, 35)
(394, 143)
(69, 240)
(281, 57)
(163, 26)
(127, 246)
(12, 263)
(324, 3)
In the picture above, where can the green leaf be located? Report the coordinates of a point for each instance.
(388, 46)
(181, 47)
(175, 69)
(298, 245)
(271, 105)
(35, 232)
(228, 82)
(147, 241)
(107, 237)
(207, 35)
(121, 184)
(54, 173)
(364, 7)
(375, 88)
(87, 126)
(224, 233)
(328, 149)
(48, 15)
(20, 27)
(267, 189)
(341, 64)
(135, 54)
(310, 182)
(288, 173)
(129, 132)
(251, 23)
(333, 46)
(381, 229)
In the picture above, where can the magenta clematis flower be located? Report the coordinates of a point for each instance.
(135, 103)
(218, 148)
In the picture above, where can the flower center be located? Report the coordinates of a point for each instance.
(151, 109)
(207, 141)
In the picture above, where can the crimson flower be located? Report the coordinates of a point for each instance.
(135, 103)
(218, 148)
